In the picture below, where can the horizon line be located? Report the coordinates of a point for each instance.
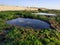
(29, 6)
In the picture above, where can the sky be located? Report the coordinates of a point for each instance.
(51, 4)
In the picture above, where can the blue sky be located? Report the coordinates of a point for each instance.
(53, 4)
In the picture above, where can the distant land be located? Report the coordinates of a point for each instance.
(18, 8)
(6, 8)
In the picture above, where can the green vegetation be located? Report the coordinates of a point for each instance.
(14, 35)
